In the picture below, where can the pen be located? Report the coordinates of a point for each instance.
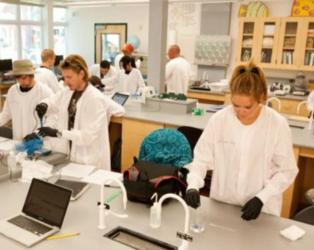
(62, 236)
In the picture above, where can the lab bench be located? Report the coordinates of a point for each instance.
(136, 124)
(289, 103)
(224, 228)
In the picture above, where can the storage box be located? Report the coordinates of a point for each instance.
(168, 105)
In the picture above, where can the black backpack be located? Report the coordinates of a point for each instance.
(144, 178)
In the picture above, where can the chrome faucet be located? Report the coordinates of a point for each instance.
(103, 212)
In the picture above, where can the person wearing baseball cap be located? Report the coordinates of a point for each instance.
(22, 99)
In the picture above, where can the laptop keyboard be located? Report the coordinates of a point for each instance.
(29, 225)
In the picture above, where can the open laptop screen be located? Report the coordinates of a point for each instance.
(47, 202)
(120, 98)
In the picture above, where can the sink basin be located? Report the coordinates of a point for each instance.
(137, 240)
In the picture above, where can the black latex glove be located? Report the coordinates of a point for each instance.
(41, 109)
(252, 209)
(31, 136)
(192, 198)
(47, 131)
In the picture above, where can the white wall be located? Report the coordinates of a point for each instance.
(80, 35)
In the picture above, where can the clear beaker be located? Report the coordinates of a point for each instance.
(14, 167)
(198, 219)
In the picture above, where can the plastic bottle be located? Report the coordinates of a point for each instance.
(155, 215)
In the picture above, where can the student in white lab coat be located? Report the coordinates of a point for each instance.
(248, 146)
(127, 50)
(107, 73)
(22, 99)
(178, 72)
(81, 127)
(133, 81)
(44, 74)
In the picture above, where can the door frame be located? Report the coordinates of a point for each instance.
(97, 26)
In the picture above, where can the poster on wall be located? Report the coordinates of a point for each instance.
(303, 8)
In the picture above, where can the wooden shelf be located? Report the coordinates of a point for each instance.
(211, 64)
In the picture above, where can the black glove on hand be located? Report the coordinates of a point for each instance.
(47, 131)
(31, 136)
(192, 198)
(41, 109)
(252, 209)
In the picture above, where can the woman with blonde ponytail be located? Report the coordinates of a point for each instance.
(248, 146)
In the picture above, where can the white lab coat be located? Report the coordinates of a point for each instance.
(46, 76)
(133, 81)
(89, 136)
(110, 80)
(178, 72)
(247, 161)
(20, 108)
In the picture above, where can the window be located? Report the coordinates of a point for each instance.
(21, 31)
(59, 15)
(59, 30)
(31, 13)
(8, 11)
(8, 42)
(31, 42)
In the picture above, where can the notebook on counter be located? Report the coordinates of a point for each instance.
(42, 214)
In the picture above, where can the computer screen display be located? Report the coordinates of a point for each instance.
(59, 58)
(120, 98)
(47, 202)
(5, 65)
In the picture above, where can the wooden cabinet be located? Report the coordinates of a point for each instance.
(307, 45)
(247, 39)
(277, 43)
(267, 38)
(133, 133)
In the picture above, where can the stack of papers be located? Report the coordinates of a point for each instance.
(35, 169)
(6, 145)
(76, 170)
(99, 176)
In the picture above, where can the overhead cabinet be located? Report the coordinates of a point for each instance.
(277, 43)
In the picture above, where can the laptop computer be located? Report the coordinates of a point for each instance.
(42, 215)
(77, 187)
(120, 98)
